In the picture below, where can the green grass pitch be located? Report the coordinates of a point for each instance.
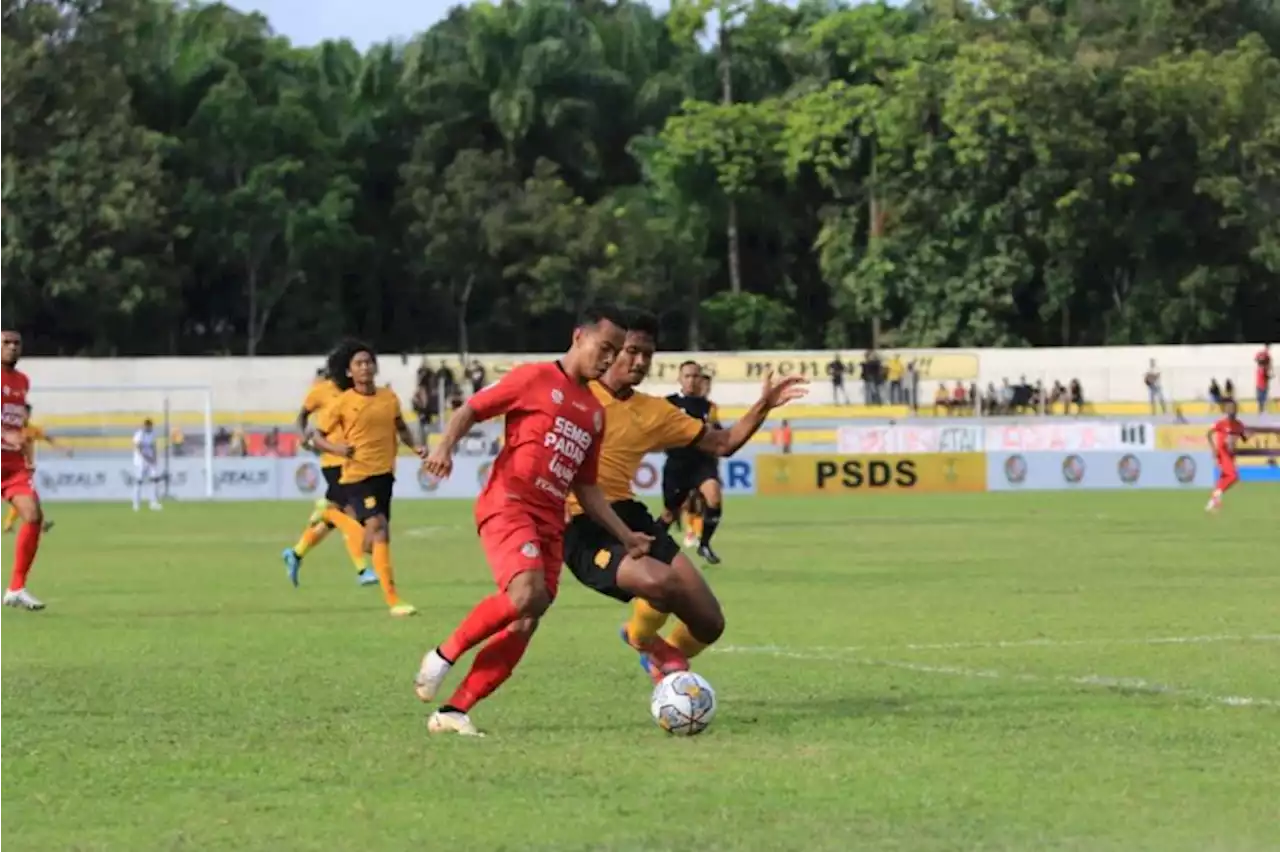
(1077, 671)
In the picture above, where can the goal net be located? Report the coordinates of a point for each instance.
(92, 427)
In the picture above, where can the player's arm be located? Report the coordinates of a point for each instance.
(406, 436)
(596, 505)
(493, 401)
(330, 419)
(726, 442)
(42, 435)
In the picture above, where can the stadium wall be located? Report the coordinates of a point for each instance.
(1107, 374)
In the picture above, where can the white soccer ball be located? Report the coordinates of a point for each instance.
(683, 704)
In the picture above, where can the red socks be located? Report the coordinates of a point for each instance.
(494, 664)
(24, 554)
(489, 616)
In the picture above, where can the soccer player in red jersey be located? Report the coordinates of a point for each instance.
(15, 474)
(554, 425)
(1222, 439)
(1263, 376)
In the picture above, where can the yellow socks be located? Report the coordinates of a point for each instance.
(682, 639)
(311, 536)
(645, 622)
(382, 567)
(352, 535)
(693, 523)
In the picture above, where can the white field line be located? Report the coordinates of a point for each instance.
(1130, 684)
(1014, 643)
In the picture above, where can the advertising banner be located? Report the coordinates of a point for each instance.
(1070, 436)
(1194, 438)
(1088, 471)
(82, 479)
(843, 474)
(908, 439)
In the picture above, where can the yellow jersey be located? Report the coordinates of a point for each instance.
(32, 433)
(370, 425)
(634, 426)
(320, 396)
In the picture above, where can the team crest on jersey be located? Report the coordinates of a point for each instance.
(529, 550)
(597, 420)
(557, 396)
(602, 559)
(371, 502)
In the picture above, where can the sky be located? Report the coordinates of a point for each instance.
(365, 22)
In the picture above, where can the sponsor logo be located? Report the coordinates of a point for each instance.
(1184, 468)
(529, 550)
(241, 478)
(1015, 470)
(307, 478)
(1129, 469)
(1073, 470)
(557, 396)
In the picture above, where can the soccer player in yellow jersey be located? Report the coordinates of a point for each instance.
(363, 427)
(330, 511)
(32, 433)
(664, 581)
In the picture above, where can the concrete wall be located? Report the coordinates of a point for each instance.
(277, 384)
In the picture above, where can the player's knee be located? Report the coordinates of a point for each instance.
(524, 626)
(375, 529)
(655, 581)
(710, 627)
(529, 595)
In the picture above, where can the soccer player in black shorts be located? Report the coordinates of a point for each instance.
(690, 474)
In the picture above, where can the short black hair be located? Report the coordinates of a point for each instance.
(690, 363)
(340, 360)
(595, 314)
(643, 322)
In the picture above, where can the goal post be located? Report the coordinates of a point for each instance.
(97, 422)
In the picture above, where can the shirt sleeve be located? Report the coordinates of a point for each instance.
(312, 401)
(505, 394)
(589, 472)
(329, 417)
(673, 428)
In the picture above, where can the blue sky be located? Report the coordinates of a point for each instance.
(365, 22)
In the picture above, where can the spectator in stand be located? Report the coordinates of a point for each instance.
(445, 375)
(238, 447)
(424, 399)
(958, 400)
(836, 371)
(894, 371)
(782, 438)
(1076, 391)
(177, 441)
(1263, 376)
(1057, 395)
(912, 388)
(871, 379)
(1228, 391)
(975, 399)
(476, 375)
(991, 400)
(941, 399)
(1215, 392)
(271, 443)
(1155, 391)
(1006, 397)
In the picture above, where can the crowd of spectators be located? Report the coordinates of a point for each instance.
(1009, 398)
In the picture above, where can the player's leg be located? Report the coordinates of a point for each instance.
(674, 495)
(139, 480)
(713, 510)
(372, 504)
(675, 587)
(18, 490)
(692, 511)
(1229, 475)
(155, 477)
(519, 558)
(10, 518)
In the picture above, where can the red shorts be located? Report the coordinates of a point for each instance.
(514, 542)
(16, 483)
(1227, 465)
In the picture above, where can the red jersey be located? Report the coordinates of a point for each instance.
(1263, 377)
(551, 442)
(13, 414)
(1223, 431)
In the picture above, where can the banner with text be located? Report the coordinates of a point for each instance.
(1071, 436)
(300, 479)
(1106, 470)
(1194, 438)
(908, 439)
(844, 474)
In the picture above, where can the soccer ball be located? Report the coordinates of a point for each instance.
(683, 704)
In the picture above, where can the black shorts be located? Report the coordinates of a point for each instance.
(681, 480)
(593, 555)
(370, 497)
(333, 490)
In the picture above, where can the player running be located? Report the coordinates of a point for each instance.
(361, 426)
(16, 486)
(1223, 436)
(664, 581)
(33, 433)
(691, 477)
(551, 448)
(330, 510)
(145, 468)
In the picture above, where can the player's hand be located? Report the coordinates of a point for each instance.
(439, 462)
(778, 392)
(421, 451)
(637, 544)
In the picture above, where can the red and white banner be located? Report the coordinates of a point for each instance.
(1086, 436)
(908, 439)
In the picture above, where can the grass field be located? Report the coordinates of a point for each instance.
(1023, 672)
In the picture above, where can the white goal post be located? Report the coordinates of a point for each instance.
(97, 423)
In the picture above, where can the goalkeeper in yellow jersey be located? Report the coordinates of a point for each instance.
(32, 433)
